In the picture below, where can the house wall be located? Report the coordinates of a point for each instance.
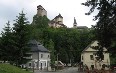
(98, 65)
(44, 60)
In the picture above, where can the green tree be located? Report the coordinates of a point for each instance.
(50, 46)
(21, 31)
(105, 27)
(5, 43)
(40, 21)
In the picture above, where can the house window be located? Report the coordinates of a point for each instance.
(92, 66)
(48, 56)
(41, 55)
(82, 57)
(103, 57)
(45, 64)
(91, 57)
(29, 64)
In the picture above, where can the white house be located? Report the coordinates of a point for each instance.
(40, 56)
(89, 57)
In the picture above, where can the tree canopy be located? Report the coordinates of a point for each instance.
(106, 22)
(14, 41)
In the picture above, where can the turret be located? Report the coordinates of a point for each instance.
(41, 11)
(75, 23)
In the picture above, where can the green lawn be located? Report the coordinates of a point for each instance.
(7, 68)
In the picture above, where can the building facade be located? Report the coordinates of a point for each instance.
(40, 56)
(90, 59)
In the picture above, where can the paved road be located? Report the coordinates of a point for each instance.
(67, 70)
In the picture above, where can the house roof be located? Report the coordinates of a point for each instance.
(36, 46)
(90, 45)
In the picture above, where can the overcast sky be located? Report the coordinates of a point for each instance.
(69, 9)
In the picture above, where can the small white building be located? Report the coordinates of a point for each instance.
(89, 57)
(40, 56)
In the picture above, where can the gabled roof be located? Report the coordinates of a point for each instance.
(36, 46)
(59, 16)
(93, 43)
(88, 46)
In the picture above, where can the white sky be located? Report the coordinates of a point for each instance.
(69, 9)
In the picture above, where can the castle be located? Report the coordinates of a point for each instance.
(57, 22)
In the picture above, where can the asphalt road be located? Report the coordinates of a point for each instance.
(67, 70)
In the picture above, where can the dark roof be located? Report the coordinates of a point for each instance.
(58, 16)
(39, 6)
(36, 46)
(82, 27)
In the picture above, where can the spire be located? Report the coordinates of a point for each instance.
(75, 21)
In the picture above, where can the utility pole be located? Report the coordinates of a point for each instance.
(33, 65)
(38, 60)
(57, 61)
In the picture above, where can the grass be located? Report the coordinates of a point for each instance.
(7, 68)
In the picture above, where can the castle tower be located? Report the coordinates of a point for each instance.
(59, 19)
(41, 11)
(75, 23)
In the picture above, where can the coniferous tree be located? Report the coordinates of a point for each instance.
(21, 31)
(6, 44)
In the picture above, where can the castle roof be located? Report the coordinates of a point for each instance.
(82, 27)
(59, 16)
(40, 6)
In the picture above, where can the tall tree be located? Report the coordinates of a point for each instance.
(106, 24)
(22, 36)
(6, 43)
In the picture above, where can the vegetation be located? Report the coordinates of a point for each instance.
(7, 68)
(66, 42)
(106, 25)
(14, 41)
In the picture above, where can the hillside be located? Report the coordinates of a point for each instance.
(6, 68)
